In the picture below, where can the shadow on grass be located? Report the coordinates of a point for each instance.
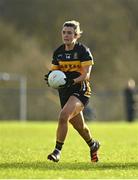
(68, 165)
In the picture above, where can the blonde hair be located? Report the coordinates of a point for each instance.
(75, 25)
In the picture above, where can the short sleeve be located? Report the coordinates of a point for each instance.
(86, 57)
(55, 64)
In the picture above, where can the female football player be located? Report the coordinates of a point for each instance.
(75, 60)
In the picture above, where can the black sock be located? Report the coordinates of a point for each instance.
(90, 142)
(58, 145)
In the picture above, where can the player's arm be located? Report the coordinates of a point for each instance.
(86, 65)
(85, 74)
(54, 66)
(86, 70)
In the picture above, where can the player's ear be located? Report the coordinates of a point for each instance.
(77, 36)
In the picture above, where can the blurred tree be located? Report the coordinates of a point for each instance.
(110, 30)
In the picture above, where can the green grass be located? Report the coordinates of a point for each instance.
(24, 148)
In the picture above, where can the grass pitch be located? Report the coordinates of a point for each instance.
(24, 148)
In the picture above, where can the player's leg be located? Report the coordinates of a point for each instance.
(70, 110)
(80, 125)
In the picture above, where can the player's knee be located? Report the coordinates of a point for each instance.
(63, 117)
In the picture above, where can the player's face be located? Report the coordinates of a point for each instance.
(68, 35)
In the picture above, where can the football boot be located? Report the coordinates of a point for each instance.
(93, 151)
(54, 156)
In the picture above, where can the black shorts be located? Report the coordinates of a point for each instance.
(83, 94)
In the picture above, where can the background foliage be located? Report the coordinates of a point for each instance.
(30, 31)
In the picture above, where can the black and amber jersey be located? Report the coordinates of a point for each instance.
(70, 62)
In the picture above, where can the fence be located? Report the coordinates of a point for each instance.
(43, 104)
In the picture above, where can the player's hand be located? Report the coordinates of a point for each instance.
(69, 82)
(46, 77)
